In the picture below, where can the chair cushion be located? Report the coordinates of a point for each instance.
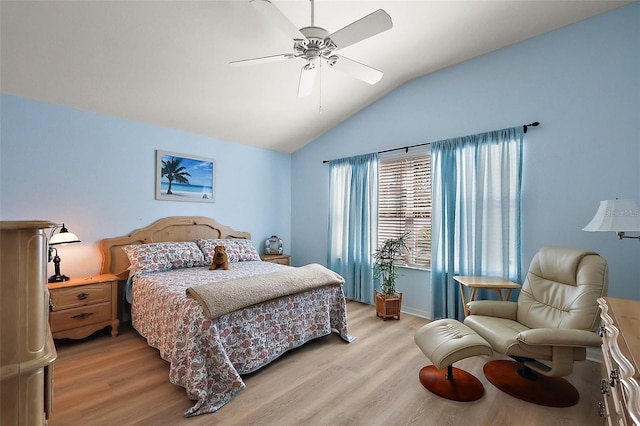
(446, 341)
(558, 264)
(561, 289)
(502, 335)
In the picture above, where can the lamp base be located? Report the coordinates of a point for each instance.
(57, 278)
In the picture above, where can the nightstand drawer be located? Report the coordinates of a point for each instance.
(78, 317)
(281, 259)
(72, 297)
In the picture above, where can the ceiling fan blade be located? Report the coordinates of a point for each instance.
(278, 19)
(355, 69)
(262, 59)
(307, 79)
(372, 24)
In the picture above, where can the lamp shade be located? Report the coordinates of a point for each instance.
(615, 215)
(63, 236)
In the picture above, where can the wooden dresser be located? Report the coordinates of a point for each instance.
(620, 385)
(27, 351)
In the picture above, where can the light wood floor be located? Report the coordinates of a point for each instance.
(117, 381)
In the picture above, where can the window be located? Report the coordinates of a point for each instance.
(404, 204)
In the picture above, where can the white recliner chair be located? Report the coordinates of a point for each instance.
(550, 326)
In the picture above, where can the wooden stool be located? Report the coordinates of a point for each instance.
(444, 342)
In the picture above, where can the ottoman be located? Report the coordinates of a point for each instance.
(444, 342)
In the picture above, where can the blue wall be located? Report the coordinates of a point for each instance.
(97, 174)
(581, 82)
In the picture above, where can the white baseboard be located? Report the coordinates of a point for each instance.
(416, 312)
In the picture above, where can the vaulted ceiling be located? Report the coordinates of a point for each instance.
(166, 63)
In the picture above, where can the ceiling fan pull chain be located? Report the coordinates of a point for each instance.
(320, 87)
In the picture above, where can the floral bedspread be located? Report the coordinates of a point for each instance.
(207, 356)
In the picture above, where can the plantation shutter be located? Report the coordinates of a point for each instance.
(404, 204)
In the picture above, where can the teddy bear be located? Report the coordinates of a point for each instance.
(220, 258)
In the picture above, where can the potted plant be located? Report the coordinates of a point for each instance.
(388, 300)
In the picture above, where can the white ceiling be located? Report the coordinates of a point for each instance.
(166, 63)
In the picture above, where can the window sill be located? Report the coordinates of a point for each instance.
(416, 268)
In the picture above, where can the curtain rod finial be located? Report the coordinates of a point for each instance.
(526, 126)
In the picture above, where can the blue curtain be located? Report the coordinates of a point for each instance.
(476, 213)
(353, 223)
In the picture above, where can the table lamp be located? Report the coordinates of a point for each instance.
(62, 237)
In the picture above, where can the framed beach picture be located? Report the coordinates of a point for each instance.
(182, 177)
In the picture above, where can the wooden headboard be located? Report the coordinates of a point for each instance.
(175, 228)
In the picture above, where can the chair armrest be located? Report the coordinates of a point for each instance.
(559, 337)
(493, 308)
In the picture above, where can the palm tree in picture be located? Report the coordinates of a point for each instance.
(174, 171)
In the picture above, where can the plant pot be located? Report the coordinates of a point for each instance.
(388, 306)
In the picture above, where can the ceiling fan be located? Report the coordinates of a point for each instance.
(315, 44)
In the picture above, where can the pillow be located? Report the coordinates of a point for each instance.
(163, 256)
(247, 251)
(238, 250)
(207, 246)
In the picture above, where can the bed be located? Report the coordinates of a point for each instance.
(209, 351)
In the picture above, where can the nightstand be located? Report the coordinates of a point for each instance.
(282, 259)
(84, 305)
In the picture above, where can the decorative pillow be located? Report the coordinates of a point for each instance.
(208, 246)
(247, 251)
(163, 256)
(238, 250)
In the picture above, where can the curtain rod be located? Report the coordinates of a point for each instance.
(406, 148)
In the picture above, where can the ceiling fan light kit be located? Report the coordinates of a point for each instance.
(315, 45)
